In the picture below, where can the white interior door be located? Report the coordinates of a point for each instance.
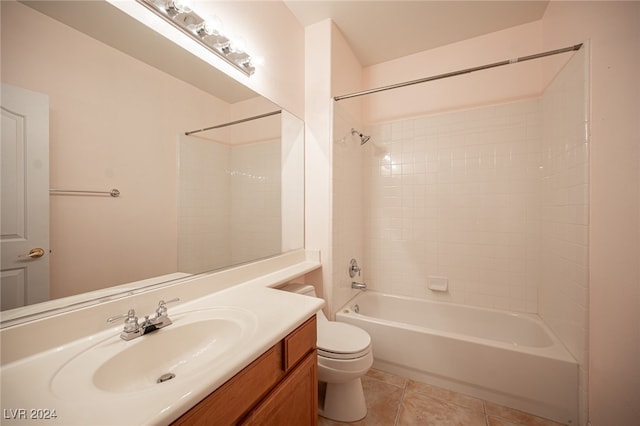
(24, 197)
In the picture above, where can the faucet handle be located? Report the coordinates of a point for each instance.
(117, 317)
(354, 268)
(130, 323)
(162, 308)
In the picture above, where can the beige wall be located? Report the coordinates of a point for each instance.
(318, 165)
(614, 247)
(348, 208)
(466, 91)
(332, 70)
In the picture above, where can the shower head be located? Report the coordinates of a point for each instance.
(363, 138)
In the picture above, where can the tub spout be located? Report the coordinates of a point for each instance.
(359, 286)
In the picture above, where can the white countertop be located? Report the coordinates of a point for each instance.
(27, 383)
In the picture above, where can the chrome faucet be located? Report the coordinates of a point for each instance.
(132, 328)
(359, 286)
(354, 270)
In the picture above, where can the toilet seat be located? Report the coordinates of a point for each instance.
(346, 356)
(339, 340)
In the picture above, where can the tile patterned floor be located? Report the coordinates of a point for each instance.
(396, 401)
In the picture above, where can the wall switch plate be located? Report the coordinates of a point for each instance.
(438, 283)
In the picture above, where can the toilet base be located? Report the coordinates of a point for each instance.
(342, 402)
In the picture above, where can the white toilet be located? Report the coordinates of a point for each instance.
(344, 355)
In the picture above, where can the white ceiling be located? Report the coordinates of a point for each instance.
(379, 31)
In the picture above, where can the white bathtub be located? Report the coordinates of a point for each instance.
(507, 358)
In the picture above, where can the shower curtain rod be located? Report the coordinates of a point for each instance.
(454, 73)
(231, 123)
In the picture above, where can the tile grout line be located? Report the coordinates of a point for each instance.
(404, 392)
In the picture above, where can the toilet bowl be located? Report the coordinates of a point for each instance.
(344, 356)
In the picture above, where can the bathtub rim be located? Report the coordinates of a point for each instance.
(557, 350)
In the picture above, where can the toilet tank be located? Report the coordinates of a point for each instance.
(306, 289)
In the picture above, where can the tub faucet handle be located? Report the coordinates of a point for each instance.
(354, 268)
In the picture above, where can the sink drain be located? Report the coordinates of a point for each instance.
(165, 377)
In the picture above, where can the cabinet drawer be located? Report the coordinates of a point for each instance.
(299, 343)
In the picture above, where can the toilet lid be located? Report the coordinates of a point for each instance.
(341, 340)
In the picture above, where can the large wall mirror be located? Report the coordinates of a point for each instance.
(92, 101)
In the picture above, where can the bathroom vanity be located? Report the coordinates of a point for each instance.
(280, 387)
(238, 350)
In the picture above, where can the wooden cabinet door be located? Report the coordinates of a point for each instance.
(233, 399)
(294, 401)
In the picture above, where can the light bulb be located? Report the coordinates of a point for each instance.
(246, 62)
(180, 6)
(222, 46)
(237, 44)
(209, 27)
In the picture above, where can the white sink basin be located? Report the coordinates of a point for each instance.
(195, 342)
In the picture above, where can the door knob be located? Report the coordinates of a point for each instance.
(34, 253)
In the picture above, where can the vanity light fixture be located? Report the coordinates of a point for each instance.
(208, 33)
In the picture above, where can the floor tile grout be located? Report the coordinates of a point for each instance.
(399, 408)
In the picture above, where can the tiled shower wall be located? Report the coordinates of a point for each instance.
(255, 201)
(204, 197)
(493, 199)
(229, 209)
(485, 198)
(456, 196)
